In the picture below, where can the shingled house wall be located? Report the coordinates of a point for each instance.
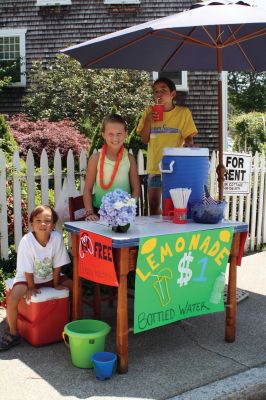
(52, 28)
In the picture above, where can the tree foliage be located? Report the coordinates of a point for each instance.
(247, 96)
(249, 132)
(8, 72)
(7, 142)
(62, 89)
(247, 91)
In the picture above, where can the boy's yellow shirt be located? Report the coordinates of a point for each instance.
(176, 126)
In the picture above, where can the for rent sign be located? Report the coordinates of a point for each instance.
(237, 175)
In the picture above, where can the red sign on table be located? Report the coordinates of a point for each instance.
(96, 258)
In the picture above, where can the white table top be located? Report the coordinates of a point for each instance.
(147, 226)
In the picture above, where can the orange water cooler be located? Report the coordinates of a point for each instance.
(42, 320)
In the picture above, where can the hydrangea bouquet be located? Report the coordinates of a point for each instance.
(118, 209)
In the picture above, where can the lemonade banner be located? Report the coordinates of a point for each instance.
(180, 276)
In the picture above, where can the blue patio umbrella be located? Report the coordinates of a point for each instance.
(227, 35)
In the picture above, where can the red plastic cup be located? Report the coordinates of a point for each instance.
(179, 215)
(158, 109)
(167, 206)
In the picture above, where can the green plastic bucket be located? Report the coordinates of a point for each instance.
(84, 338)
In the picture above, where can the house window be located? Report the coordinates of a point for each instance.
(44, 3)
(179, 78)
(12, 54)
(121, 1)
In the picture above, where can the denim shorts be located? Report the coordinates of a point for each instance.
(154, 181)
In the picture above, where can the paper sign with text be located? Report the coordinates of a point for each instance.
(238, 173)
(96, 259)
(180, 276)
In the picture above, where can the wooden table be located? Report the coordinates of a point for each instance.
(125, 249)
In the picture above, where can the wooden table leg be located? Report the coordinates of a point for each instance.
(122, 264)
(77, 292)
(230, 324)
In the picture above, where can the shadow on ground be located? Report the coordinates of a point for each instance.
(163, 362)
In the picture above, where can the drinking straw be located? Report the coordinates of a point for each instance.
(180, 197)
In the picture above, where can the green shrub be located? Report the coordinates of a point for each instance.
(64, 90)
(247, 91)
(60, 90)
(134, 142)
(9, 72)
(7, 270)
(248, 132)
(7, 141)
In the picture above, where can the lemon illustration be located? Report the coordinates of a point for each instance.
(225, 236)
(149, 245)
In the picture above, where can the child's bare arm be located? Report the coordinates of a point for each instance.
(189, 140)
(56, 278)
(89, 183)
(32, 291)
(134, 177)
(146, 130)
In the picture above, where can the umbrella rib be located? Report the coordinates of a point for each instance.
(117, 50)
(243, 51)
(187, 38)
(210, 36)
(227, 42)
(233, 33)
(172, 55)
(253, 35)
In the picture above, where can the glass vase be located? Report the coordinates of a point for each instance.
(121, 228)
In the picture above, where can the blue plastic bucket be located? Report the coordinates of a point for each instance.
(104, 364)
(184, 168)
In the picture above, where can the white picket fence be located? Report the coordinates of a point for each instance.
(250, 208)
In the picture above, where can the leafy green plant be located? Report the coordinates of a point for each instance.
(62, 89)
(9, 72)
(247, 91)
(57, 91)
(7, 141)
(134, 142)
(97, 139)
(249, 132)
(7, 270)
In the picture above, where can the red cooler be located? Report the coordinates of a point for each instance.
(42, 321)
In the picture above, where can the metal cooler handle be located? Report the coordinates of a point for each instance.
(167, 171)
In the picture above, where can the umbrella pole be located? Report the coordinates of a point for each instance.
(220, 168)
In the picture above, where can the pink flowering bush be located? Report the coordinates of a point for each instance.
(47, 135)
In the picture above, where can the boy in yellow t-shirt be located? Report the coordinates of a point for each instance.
(176, 130)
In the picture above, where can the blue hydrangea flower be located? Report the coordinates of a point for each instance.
(118, 208)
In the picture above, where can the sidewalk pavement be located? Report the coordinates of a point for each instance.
(187, 360)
